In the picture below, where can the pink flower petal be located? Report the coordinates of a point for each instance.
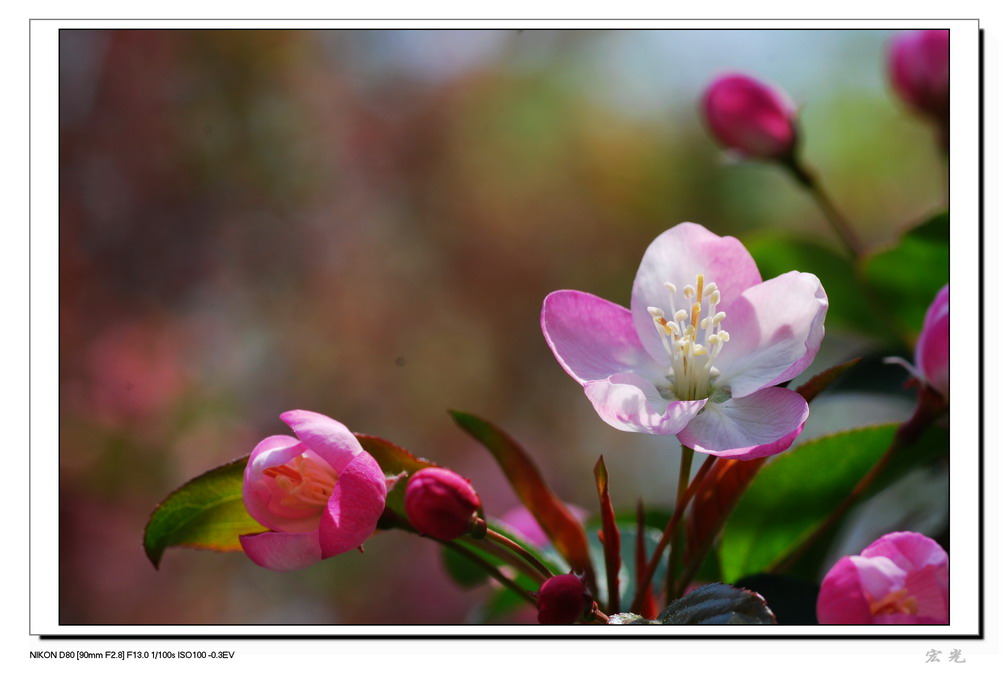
(757, 425)
(629, 402)
(282, 551)
(261, 495)
(593, 338)
(329, 439)
(354, 507)
(677, 256)
(841, 599)
(776, 329)
(932, 353)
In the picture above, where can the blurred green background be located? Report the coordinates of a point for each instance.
(365, 223)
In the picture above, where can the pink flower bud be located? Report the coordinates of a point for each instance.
(919, 70)
(750, 117)
(440, 503)
(563, 599)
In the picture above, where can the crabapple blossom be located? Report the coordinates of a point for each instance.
(320, 494)
(700, 351)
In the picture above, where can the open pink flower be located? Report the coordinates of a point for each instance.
(699, 351)
(919, 71)
(901, 578)
(320, 494)
(750, 117)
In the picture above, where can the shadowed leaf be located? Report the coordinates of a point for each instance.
(907, 275)
(817, 383)
(718, 604)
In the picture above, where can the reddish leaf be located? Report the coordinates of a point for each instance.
(557, 522)
(609, 535)
(817, 383)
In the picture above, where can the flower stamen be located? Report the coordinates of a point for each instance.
(688, 337)
(307, 481)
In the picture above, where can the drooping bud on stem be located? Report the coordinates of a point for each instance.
(563, 599)
(440, 503)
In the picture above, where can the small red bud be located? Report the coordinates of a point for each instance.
(440, 503)
(563, 599)
(750, 117)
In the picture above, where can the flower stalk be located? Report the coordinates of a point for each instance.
(841, 226)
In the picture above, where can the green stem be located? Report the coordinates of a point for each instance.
(930, 404)
(491, 570)
(520, 550)
(644, 582)
(837, 221)
(685, 464)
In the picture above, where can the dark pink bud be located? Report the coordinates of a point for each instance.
(750, 117)
(563, 599)
(919, 71)
(440, 503)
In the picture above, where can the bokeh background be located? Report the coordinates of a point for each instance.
(365, 223)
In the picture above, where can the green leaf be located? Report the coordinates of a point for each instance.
(793, 493)
(610, 534)
(206, 513)
(556, 520)
(718, 604)
(906, 276)
(776, 253)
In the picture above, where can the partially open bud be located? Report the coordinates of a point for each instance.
(750, 117)
(563, 599)
(440, 503)
(919, 71)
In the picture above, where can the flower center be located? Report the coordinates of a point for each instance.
(306, 482)
(896, 602)
(691, 342)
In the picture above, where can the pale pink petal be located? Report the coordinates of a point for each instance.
(757, 425)
(841, 599)
(775, 331)
(354, 507)
(261, 494)
(330, 439)
(879, 576)
(593, 338)
(932, 354)
(629, 402)
(282, 551)
(677, 256)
